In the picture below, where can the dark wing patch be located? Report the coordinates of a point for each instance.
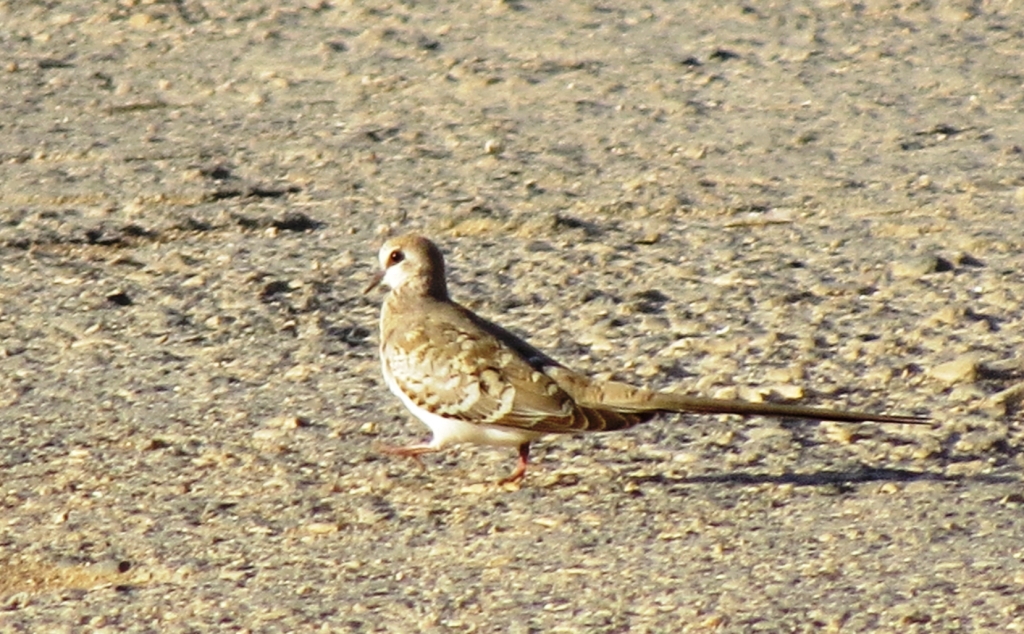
(461, 366)
(450, 372)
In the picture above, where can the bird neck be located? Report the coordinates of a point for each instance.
(432, 287)
(437, 288)
(414, 295)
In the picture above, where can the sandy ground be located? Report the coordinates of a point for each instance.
(811, 201)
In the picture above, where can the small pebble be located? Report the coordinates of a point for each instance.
(963, 369)
(914, 267)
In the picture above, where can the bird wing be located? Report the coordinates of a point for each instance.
(464, 367)
(459, 365)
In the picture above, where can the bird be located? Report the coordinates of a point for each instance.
(472, 381)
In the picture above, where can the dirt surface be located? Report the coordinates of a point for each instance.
(819, 202)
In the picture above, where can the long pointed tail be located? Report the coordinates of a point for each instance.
(666, 401)
(609, 405)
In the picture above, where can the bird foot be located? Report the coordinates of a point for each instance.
(408, 451)
(516, 477)
(520, 471)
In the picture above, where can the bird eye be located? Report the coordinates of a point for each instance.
(395, 257)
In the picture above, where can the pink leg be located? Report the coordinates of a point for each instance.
(520, 472)
(409, 451)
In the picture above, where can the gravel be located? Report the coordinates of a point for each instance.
(820, 202)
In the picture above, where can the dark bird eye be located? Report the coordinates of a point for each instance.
(395, 257)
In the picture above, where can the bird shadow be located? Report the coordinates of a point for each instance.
(826, 477)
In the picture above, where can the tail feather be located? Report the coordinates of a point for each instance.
(668, 402)
(607, 406)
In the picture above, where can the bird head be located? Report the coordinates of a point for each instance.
(411, 264)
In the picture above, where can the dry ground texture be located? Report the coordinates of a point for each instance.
(818, 202)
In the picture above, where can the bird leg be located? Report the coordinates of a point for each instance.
(520, 472)
(408, 451)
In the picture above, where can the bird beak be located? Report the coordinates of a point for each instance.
(377, 278)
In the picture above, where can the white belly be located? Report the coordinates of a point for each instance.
(447, 431)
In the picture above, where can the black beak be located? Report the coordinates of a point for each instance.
(377, 278)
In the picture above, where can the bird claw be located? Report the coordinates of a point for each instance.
(520, 471)
(409, 451)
